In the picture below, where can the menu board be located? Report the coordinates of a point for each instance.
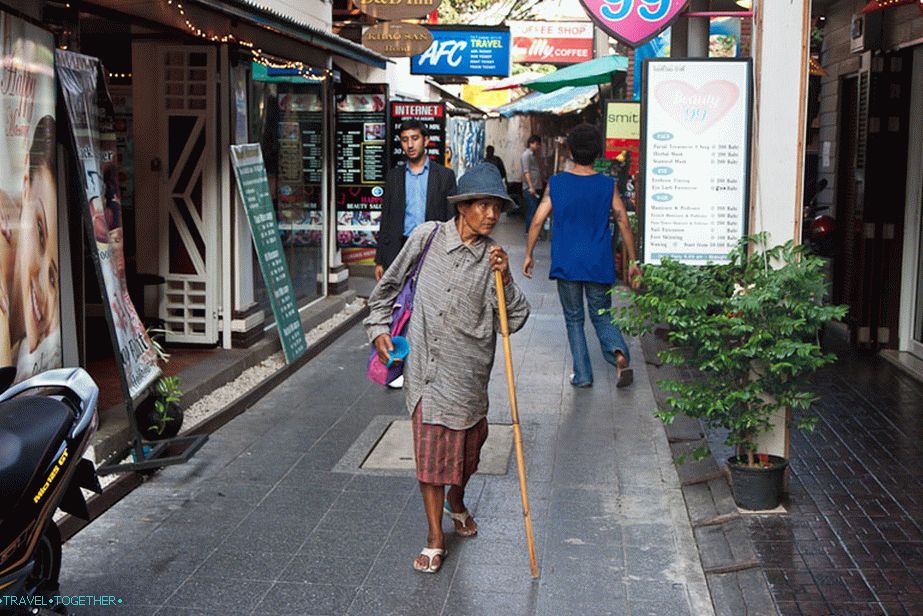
(253, 186)
(361, 164)
(696, 153)
(301, 166)
(432, 115)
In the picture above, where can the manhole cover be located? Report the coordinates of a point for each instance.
(394, 450)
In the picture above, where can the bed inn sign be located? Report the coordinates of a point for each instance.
(397, 9)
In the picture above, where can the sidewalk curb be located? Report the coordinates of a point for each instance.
(97, 505)
(733, 571)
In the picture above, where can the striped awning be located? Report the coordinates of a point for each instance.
(565, 100)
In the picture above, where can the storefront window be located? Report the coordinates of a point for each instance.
(287, 119)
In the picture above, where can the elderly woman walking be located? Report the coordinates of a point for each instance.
(452, 335)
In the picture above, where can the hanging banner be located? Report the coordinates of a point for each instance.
(253, 187)
(634, 22)
(460, 50)
(92, 121)
(30, 324)
(432, 115)
(696, 157)
(552, 42)
(361, 164)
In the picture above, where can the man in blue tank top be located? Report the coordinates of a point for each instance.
(581, 253)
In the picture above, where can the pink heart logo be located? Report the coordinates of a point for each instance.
(697, 108)
(634, 22)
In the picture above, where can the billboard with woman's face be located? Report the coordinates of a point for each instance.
(30, 325)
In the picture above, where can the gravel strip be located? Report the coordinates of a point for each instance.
(220, 398)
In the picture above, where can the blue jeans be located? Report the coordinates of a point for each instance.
(610, 336)
(531, 204)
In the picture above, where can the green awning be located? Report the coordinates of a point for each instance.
(589, 73)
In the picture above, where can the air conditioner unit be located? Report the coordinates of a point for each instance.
(865, 32)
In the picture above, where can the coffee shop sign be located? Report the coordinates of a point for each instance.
(634, 22)
(397, 9)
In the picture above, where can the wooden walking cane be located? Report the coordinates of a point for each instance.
(517, 433)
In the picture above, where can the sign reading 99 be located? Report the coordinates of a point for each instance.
(634, 22)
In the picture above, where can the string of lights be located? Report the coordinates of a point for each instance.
(259, 56)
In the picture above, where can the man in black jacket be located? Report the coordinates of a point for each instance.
(415, 192)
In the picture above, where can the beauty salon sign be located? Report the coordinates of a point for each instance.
(634, 22)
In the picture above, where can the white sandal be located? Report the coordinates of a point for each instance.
(431, 553)
(463, 518)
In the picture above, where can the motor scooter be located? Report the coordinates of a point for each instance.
(46, 424)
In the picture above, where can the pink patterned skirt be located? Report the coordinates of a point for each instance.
(445, 456)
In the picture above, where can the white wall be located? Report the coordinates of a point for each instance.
(405, 85)
(317, 13)
(508, 136)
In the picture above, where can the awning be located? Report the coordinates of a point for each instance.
(269, 19)
(565, 100)
(509, 83)
(242, 20)
(589, 73)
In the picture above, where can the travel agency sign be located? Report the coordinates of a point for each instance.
(634, 22)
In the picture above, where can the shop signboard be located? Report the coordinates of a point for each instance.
(623, 131)
(361, 164)
(696, 157)
(552, 42)
(301, 164)
(30, 324)
(395, 10)
(253, 188)
(432, 115)
(634, 22)
(622, 145)
(92, 121)
(397, 40)
(460, 50)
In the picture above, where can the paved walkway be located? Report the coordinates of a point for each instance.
(260, 523)
(852, 541)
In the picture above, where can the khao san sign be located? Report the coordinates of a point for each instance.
(634, 22)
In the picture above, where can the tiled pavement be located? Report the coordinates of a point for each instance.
(852, 541)
(259, 523)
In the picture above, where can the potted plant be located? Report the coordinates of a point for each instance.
(159, 416)
(749, 331)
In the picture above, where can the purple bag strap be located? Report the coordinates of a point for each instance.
(416, 266)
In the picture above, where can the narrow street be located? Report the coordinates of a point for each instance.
(274, 515)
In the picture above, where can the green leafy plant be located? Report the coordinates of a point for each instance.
(168, 393)
(749, 332)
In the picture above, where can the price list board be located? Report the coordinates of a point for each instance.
(431, 115)
(253, 187)
(361, 164)
(695, 158)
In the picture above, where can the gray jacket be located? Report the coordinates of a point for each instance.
(453, 330)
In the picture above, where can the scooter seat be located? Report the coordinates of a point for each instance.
(32, 429)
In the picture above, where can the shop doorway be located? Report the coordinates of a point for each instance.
(871, 196)
(912, 287)
(189, 257)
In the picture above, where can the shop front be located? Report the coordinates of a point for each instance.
(187, 82)
(869, 137)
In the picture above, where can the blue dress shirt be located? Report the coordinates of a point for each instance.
(415, 197)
